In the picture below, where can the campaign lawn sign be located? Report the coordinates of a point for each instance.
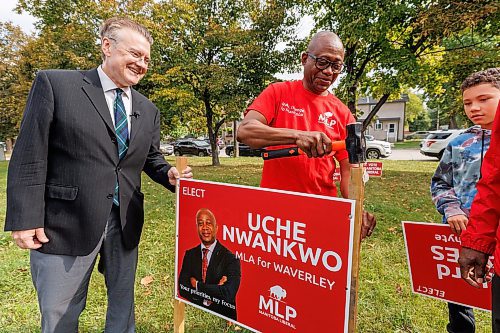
(295, 252)
(433, 251)
(373, 169)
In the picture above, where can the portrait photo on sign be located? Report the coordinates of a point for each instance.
(259, 257)
(210, 273)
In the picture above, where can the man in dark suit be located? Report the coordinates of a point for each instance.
(74, 181)
(210, 273)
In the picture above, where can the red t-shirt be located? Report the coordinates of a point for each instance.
(290, 105)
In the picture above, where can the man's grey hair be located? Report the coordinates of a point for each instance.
(111, 26)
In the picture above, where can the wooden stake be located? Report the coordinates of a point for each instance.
(179, 316)
(179, 307)
(181, 163)
(356, 192)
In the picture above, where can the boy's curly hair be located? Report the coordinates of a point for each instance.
(490, 75)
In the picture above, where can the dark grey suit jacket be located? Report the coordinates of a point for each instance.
(65, 163)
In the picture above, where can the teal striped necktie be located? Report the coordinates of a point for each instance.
(121, 129)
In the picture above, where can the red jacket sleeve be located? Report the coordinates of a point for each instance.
(484, 217)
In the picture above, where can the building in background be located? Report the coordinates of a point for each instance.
(389, 122)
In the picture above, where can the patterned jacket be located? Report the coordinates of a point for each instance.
(453, 185)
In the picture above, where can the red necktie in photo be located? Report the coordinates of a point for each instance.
(204, 265)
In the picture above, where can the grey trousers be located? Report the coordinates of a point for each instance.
(62, 283)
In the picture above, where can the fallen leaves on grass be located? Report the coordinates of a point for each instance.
(399, 289)
(393, 230)
(147, 280)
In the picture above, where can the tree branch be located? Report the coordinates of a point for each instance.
(454, 48)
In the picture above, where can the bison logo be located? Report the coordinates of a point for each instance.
(277, 292)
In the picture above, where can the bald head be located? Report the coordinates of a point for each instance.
(324, 39)
(205, 212)
(207, 226)
(321, 61)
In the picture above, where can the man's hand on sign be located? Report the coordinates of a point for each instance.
(458, 223)
(473, 266)
(223, 280)
(173, 174)
(314, 144)
(368, 225)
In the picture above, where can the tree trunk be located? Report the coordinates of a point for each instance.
(211, 134)
(351, 98)
(10, 144)
(236, 145)
(453, 121)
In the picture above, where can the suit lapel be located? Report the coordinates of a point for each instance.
(214, 261)
(137, 116)
(197, 263)
(93, 89)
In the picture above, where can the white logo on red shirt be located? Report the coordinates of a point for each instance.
(292, 109)
(325, 118)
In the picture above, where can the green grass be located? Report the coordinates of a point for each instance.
(386, 303)
(407, 144)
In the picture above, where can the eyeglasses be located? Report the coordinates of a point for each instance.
(322, 64)
(136, 55)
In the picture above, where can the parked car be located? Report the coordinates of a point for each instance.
(166, 148)
(244, 150)
(192, 147)
(435, 143)
(417, 135)
(377, 148)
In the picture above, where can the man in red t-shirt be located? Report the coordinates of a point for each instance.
(304, 114)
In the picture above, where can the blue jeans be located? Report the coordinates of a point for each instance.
(461, 319)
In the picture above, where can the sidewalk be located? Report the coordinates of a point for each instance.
(409, 155)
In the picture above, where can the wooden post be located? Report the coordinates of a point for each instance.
(356, 192)
(179, 307)
(181, 163)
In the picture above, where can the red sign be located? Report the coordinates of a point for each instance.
(281, 261)
(374, 169)
(433, 251)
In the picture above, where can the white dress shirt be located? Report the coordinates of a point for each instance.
(108, 87)
(210, 251)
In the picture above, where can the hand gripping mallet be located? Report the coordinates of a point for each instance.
(354, 144)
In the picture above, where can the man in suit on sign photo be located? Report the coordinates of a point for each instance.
(209, 270)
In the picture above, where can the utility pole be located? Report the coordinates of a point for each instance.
(437, 120)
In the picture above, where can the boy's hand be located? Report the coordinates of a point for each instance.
(458, 223)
